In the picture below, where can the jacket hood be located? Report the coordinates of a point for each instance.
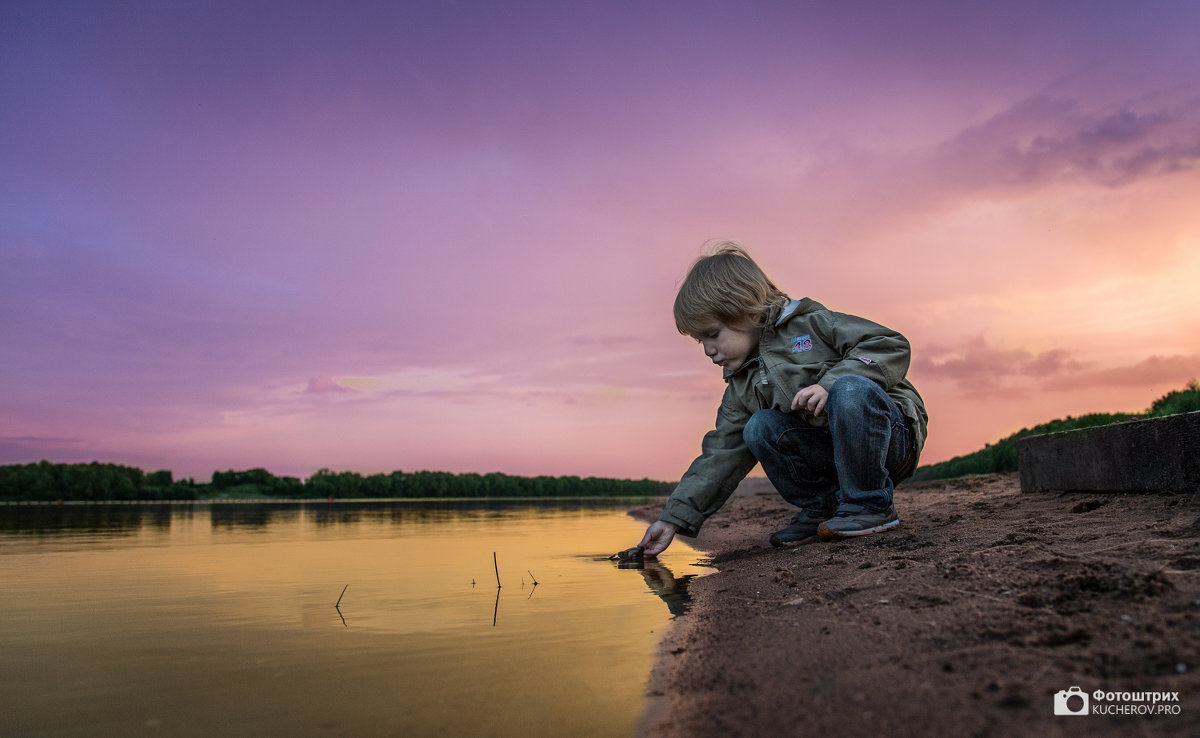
(785, 310)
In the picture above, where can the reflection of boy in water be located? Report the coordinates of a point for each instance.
(662, 582)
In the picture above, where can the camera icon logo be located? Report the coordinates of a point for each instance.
(1066, 699)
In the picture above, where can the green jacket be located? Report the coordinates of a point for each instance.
(802, 344)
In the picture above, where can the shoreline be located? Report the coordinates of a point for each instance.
(967, 619)
(616, 500)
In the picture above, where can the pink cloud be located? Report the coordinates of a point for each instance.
(976, 366)
(1043, 140)
(978, 369)
(323, 385)
(1153, 370)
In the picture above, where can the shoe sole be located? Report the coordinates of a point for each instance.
(792, 544)
(828, 534)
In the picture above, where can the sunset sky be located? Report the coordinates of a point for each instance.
(447, 235)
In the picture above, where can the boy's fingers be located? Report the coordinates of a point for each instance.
(802, 398)
(799, 399)
(648, 537)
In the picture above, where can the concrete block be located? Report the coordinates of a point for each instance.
(1139, 455)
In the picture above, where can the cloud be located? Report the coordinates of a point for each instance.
(1152, 370)
(607, 342)
(26, 449)
(979, 366)
(322, 385)
(40, 441)
(1044, 140)
(979, 369)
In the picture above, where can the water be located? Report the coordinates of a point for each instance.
(187, 620)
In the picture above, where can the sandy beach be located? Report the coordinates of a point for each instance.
(966, 620)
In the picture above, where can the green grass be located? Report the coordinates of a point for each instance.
(1002, 455)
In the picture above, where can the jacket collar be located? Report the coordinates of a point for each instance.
(777, 317)
(789, 307)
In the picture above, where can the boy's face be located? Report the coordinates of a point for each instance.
(729, 346)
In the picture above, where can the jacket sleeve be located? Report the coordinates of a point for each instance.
(867, 349)
(723, 462)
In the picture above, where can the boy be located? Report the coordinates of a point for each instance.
(818, 398)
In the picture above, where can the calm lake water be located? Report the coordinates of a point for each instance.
(199, 620)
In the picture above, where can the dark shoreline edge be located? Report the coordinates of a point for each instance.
(653, 694)
(657, 695)
(615, 500)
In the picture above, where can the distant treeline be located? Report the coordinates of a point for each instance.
(1002, 455)
(44, 481)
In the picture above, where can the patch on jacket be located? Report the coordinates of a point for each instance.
(864, 360)
(802, 343)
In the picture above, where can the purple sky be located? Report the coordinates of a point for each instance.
(439, 235)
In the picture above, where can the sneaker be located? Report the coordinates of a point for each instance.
(846, 524)
(802, 530)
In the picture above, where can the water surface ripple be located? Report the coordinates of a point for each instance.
(190, 620)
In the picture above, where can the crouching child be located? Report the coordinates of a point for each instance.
(819, 398)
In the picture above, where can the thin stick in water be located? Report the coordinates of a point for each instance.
(497, 569)
(531, 576)
(340, 596)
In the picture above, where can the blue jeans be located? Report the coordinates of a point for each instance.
(850, 465)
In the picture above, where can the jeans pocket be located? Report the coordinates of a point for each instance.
(908, 462)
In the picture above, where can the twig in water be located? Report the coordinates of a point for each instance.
(531, 576)
(497, 569)
(336, 605)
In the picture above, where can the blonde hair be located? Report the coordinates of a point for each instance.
(724, 286)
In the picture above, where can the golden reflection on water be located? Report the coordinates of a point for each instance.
(197, 622)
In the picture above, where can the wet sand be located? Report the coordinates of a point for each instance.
(966, 620)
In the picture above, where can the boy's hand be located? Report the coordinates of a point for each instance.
(658, 537)
(811, 398)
